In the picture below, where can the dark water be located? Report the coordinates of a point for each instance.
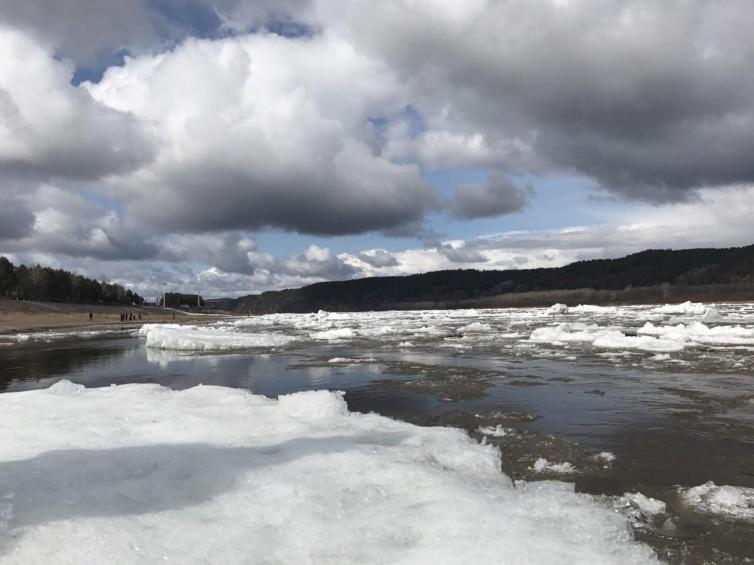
(665, 429)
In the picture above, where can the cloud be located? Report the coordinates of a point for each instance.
(57, 220)
(650, 99)
(82, 29)
(499, 196)
(378, 258)
(16, 220)
(254, 132)
(51, 129)
(229, 117)
(458, 252)
(90, 31)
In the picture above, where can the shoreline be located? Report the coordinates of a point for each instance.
(36, 317)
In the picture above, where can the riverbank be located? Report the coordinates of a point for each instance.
(26, 316)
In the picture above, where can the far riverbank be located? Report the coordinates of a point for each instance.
(27, 316)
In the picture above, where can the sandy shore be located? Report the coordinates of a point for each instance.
(25, 316)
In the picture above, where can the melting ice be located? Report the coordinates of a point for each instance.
(143, 474)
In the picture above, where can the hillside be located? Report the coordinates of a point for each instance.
(648, 276)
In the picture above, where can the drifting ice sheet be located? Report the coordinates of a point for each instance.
(207, 338)
(728, 501)
(687, 308)
(603, 338)
(142, 474)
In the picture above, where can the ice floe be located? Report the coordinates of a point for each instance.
(142, 474)
(331, 335)
(542, 465)
(727, 501)
(558, 309)
(700, 333)
(640, 509)
(601, 337)
(207, 338)
(496, 431)
(50, 336)
(558, 332)
(687, 308)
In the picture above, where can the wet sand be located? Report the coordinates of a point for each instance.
(26, 316)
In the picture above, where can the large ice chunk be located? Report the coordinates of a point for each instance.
(142, 474)
(687, 308)
(727, 501)
(208, 338)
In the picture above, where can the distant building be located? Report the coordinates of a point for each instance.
(181, 301)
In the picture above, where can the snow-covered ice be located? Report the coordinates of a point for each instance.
(143, 474)
(688, 330)
(699, 333)
(722, 500)
(330, 335)
(207, 338)
(639, 508)
(688, 308)
(600, 337)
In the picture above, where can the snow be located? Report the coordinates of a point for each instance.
(726, 501)
(542, 465)
(207, 338)
(143, 474)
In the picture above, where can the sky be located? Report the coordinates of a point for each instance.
(235, 146)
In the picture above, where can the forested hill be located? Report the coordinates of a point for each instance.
(56, 285)
(714, 274)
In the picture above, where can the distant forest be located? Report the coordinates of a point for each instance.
(56, 285)
(707, 274)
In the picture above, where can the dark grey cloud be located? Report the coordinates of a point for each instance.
(497, 197)
(329, 203)
(97, 32)
(650, 99)
(16, 221)
(54, 220)
(82, 29)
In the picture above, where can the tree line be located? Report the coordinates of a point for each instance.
(682, 268)
(57, 285)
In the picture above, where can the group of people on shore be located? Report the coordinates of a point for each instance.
(130, 316)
